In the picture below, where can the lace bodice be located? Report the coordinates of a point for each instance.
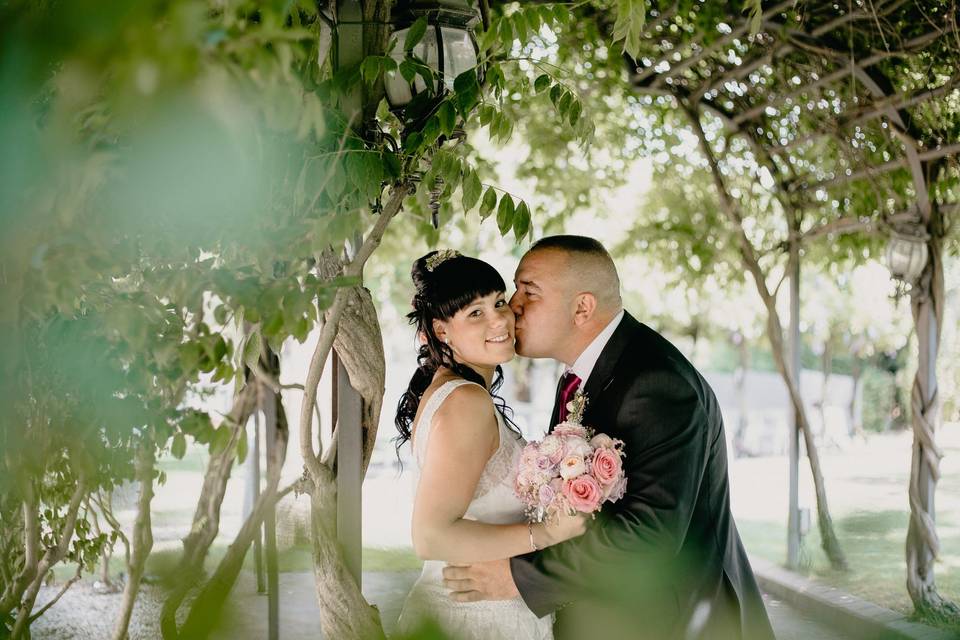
(494, 500)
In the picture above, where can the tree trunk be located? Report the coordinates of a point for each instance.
(740, 391)
(205, 610)
(13, 592)
(53, 555)
(923, 543)
(359, 344)
(343, 611)
(751, 262)
(206, 519)
(142, 541)
(826, 367)
(855, 425)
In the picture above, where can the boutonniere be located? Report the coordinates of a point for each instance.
(576, 406)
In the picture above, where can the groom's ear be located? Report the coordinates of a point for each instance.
(586, 306)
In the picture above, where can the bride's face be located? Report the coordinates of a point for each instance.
(481, 333)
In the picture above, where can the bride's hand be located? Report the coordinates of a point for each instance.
(565, 527)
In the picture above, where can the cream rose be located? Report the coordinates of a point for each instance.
(572, 466)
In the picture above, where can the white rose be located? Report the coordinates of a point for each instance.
(577, 447)
(571, 467)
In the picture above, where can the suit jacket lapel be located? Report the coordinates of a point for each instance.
(602, 374)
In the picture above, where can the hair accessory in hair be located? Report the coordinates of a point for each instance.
(440, 257)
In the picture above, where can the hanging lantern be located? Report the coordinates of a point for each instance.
(448, 47)
(907, 254)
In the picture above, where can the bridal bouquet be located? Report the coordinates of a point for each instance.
(571, 469)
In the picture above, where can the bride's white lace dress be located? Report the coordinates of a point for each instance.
(493, 502)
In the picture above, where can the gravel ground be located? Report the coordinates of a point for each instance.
(84, 614)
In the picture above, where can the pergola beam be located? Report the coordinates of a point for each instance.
(858, 225)
(778, 51)
(742, 29)
(915, 43)
(900, 163)
(877, 108)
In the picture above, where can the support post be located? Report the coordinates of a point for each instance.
(253, 491)
(349, 473)
(270, 400)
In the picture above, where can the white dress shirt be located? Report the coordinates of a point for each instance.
(587, 360)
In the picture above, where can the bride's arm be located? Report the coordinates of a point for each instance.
(462, 438)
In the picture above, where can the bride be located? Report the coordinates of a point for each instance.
(465, 450)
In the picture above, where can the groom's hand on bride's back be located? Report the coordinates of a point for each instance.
(480, 581)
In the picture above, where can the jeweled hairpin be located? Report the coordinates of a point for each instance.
(440, 257)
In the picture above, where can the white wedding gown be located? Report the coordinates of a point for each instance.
(493, 502)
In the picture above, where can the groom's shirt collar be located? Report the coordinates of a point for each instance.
(584, 365)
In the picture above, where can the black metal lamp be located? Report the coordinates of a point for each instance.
(448, 47)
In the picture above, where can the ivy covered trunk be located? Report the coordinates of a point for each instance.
(923, 543)
(344, 613)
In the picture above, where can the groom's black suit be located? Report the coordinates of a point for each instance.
(665, 561)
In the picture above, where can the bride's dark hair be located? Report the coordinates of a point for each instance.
(449, 287)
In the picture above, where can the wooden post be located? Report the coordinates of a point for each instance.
(270, 519)
(253, 491)
(349, 480)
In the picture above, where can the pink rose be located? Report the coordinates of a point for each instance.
(570, 429)
(615, 491)
(606, 466)
(547, 494)
(544, 463)
(583, 493)
(528, 458)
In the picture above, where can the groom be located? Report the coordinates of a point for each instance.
(666, 560)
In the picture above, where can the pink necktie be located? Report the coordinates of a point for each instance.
(569, 383)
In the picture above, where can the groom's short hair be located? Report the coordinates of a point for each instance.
(591, 263)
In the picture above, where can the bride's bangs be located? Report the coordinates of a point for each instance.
(462, 281)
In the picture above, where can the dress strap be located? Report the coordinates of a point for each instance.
(426, 418)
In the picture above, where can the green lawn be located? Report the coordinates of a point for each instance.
(873, 540)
